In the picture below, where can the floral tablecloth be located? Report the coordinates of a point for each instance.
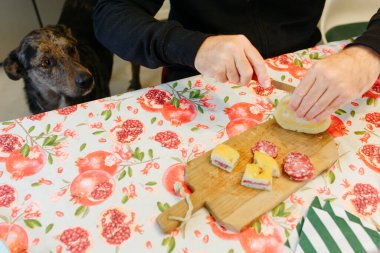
(93, 177)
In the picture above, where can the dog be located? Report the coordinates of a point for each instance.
(62, 64)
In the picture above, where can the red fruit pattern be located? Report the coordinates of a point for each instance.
(185, 112)
(98, 160)
(7, 195)
(8, 144)
(365, 198)
(20, 166)
(175, 173)
(15, 237)
(154, 100)
(77, 239)
(168, 139)
(244, 110)
(67, 110)
(37, 117)
(337, 127)
(250, 240)
(279, 63)
(114, 227)
(373, 118)
(128, 131)
(374, 92)
(239, 125)
(92, 187)
(370, 155)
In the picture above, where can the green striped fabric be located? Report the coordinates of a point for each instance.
(332, 229)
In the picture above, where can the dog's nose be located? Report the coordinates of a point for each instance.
(84, 80)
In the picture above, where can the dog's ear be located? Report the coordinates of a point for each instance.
(13, 67)
(65, 30)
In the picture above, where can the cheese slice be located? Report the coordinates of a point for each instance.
(257, 177)
(265, 161)
(224, 157)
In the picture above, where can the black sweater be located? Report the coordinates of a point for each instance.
(274, 27)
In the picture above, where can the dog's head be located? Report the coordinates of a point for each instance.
(48, 57)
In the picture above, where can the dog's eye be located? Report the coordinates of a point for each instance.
(45, 63)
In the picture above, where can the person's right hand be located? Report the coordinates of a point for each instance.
(231, 58)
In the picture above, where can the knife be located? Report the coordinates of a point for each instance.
(283, 86)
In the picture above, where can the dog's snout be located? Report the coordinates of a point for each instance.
(84, 80)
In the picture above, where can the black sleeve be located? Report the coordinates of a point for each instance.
(128, 29)
(371, 37)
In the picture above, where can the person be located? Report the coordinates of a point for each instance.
(229, 39)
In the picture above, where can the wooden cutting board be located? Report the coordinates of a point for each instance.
(233, 205)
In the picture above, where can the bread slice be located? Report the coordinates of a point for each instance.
(224, 157)
(288, 119)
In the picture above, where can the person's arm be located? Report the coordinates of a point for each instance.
(128, 29)
(336, 80)
(371, 37)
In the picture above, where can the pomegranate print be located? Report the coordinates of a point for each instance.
(67, 110)
(77, 239)
(114, 227)
(258, 89)
(244, 110)
(297, 71)
(374, 92)
(185, 112)
(364, 198)
(7, 195)
(239, 125)
(14, 237)
(154, 100)
(37, 117)
(128, 131)
(20, 166)
(269, 240)
(173, 174)
(337, 127)
(168, 139)
(92, 187)
(370, 155)
(8, 144)
(279, 63)
(373, 118)
(98, 160)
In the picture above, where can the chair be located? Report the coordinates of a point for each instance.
(343, 19)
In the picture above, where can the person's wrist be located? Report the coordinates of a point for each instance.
(365, 55)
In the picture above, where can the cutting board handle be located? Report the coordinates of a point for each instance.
(198, 200)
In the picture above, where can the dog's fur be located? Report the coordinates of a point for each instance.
(62, 64)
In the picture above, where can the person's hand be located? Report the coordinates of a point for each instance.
(231, 58)
(335, 81)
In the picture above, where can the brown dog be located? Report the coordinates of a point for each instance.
(62, 64)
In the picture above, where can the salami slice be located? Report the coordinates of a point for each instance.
(298, 166)
(266, 147)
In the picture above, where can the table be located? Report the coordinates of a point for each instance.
(93, 177)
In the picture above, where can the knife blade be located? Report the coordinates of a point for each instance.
(283, 86)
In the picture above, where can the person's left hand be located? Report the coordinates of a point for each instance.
(335, 81)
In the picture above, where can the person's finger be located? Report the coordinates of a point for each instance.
(244, 69)
(232, 72)
(258, 64)
(311, 98)
(332, 107)
(322, 104)
(220, 74)
(302, 89)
